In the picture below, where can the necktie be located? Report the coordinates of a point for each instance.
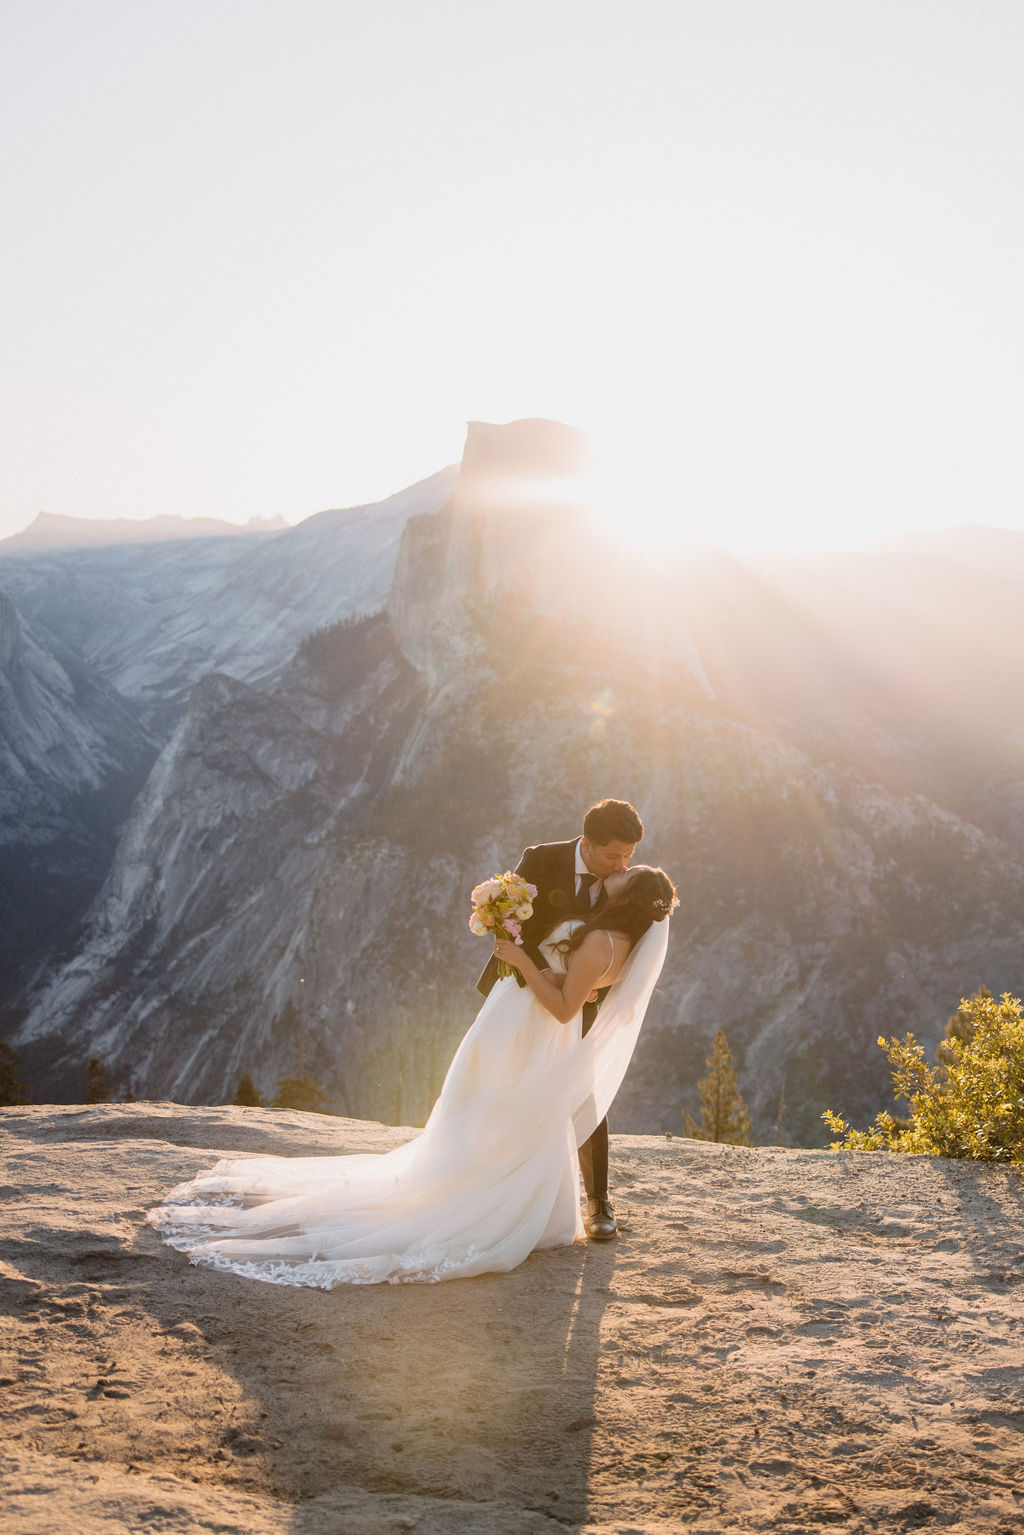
(587, 883)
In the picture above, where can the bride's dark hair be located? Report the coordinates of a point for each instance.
(649, 897)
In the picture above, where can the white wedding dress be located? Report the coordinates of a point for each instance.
(493, 1175)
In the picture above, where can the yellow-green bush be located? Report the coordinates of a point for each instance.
(970, 1105)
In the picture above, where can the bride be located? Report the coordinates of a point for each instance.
(494, 1174)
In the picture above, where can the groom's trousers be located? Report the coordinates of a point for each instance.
(594, 1152)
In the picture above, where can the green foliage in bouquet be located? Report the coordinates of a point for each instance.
(970, 1105)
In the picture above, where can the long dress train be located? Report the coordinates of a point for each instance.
(493, 1175)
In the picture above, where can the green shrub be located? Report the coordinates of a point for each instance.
(970, 1104)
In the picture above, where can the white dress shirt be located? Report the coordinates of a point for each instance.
(581, 868)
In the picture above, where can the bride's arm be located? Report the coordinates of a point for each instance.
(587, 965)
(558, 979)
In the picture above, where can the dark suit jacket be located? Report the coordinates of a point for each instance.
(551, 866)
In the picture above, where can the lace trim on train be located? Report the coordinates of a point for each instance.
(313, 1273)
(321, 1274)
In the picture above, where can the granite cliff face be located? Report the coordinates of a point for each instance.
(71, 756)
(46, 735)
(516, 531)
(290, 892)
(125, 618)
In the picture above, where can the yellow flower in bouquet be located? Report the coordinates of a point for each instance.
(500, 907)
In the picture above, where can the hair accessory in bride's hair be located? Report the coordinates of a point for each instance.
(663, 908)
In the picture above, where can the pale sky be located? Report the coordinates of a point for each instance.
(263, 257)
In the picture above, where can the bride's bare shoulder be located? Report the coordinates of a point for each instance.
(603, 952)
(598, 938)
(594, 942)
(605, 945)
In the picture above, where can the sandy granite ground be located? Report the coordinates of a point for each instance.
(779, 1340)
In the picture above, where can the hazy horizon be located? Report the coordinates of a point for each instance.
(269, 261)
(881, 541)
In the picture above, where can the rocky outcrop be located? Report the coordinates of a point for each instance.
(783, 1341)
(517, 515)
(505, 535)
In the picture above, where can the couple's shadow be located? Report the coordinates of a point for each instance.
(472, 1392)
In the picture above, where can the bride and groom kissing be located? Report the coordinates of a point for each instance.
(494, 1175)
(570, 878)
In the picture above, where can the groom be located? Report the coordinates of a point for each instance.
(569, 877)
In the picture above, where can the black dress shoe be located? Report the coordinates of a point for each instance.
(599, 1221)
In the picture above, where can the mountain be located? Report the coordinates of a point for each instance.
(50, 531)
(72, 756)
(828, 755)
(151, 618)
(105, 629)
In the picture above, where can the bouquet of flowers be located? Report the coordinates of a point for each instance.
(500, 907)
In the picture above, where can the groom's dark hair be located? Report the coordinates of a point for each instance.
(612, 820)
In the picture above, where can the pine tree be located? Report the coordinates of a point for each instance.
(246, 1094)
(11, 1089)
(723, 1112)
(99, 1089)
(300, 1093)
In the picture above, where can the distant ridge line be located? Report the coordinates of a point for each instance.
(54, 530)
